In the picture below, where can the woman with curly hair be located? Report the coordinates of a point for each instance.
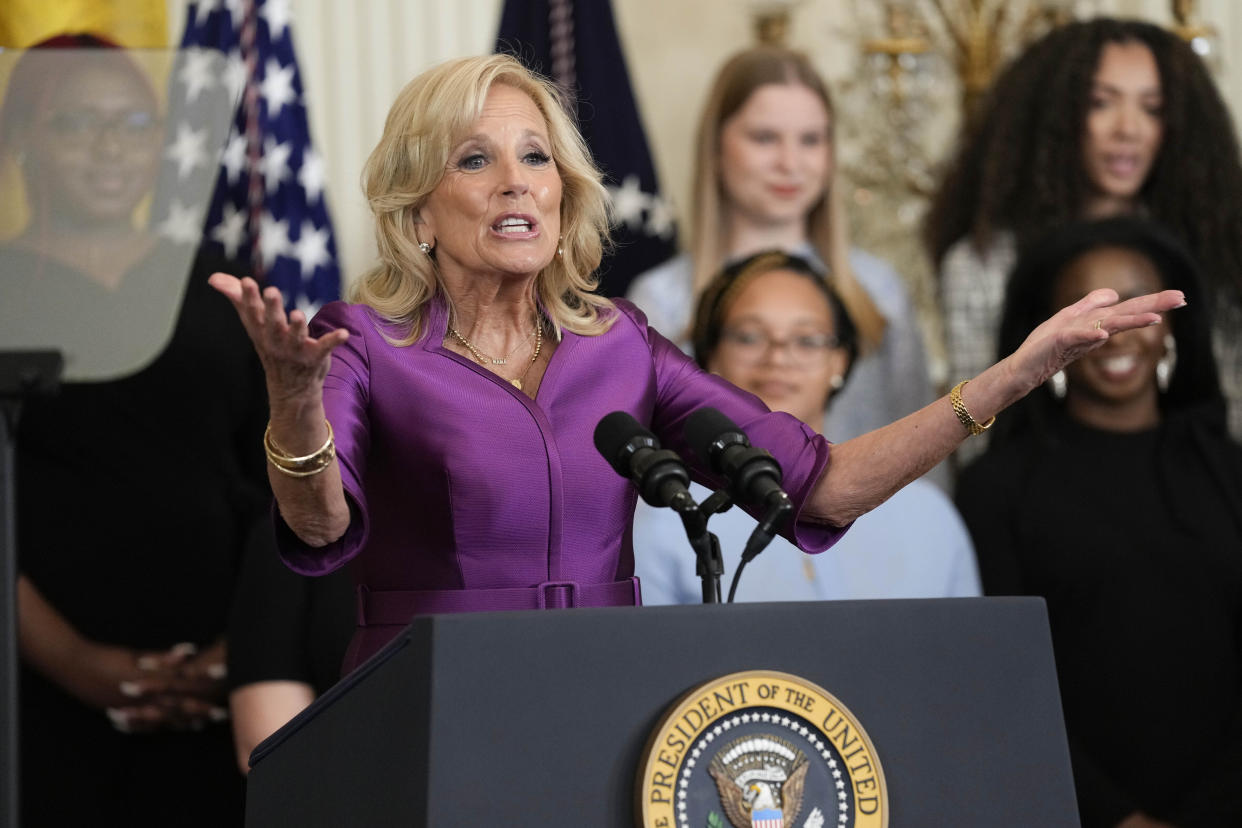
(1098, 118)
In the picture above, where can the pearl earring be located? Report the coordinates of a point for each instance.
(1164, 368)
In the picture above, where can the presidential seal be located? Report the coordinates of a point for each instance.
(760, 749)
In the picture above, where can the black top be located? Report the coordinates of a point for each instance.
(285, 626)
(1135, 540)
(135, 497)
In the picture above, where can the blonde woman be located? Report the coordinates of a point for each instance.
(764, 176)
(438, 433)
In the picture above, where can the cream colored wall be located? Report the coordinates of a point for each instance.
(356, 54)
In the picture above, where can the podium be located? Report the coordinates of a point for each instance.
(543, 718)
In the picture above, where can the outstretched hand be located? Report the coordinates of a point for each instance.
(294, 362)
(1084, 326)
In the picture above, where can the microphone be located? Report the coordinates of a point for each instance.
(635, 454)
(754, 475)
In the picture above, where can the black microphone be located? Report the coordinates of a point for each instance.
(754, 475)
(635, 454)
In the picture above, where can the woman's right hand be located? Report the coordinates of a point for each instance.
(294, 362)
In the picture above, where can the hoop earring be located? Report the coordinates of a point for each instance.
(1057, 385)
(1167, 363)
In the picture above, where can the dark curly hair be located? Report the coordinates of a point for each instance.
(1029, 300)
(1019, 167)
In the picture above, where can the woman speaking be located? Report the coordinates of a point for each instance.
(438, 431)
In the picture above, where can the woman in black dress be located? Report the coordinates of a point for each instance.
(139, 482)
(1116, 494)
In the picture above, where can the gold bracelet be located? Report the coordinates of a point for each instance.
(963, 415)
(304, 466)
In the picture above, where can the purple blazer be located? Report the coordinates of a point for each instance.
(467, 495)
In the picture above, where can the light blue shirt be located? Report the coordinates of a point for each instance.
(914, 545)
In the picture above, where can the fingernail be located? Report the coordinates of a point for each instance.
(130, 688)
(119, 720)
(185, 648)
(218, 714)
(148, 662)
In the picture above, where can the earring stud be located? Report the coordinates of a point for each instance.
(426, 248)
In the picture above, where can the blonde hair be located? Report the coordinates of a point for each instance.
(427, 121)
(736, 81)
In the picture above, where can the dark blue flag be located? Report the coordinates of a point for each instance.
(268, 204)
(574, 42)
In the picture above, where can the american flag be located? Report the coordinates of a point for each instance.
(767, 819)
(268, 204)
(575, 43)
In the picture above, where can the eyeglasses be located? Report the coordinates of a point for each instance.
(751, 345)
(83, 127)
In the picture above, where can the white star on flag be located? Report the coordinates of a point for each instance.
(189, 149)
(237, 11)
(231, 230)
(277, 87)
(629, 202)
(312, 175)
(307, 307)
(274, 165)
(277, 14)
(233, 159)
(234, 77)
(273, 238)
(182, 224)
(660, 218)
(196, 73)
(204, 10)
(311, 248)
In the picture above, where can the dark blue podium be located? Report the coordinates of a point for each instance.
(541, 718)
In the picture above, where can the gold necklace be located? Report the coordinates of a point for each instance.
(516, 382)
(484, 358)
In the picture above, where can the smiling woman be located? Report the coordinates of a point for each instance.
(1118, 498)
(1097, 118)
(765, 178)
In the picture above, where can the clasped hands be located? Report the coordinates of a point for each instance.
(141, 691)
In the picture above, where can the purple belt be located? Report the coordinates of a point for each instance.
(399, 606)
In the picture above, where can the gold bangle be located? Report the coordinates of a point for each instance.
(963, 415)
(304, 466)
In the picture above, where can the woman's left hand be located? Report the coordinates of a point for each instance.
(1082, 327)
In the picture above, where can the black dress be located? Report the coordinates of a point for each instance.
(135, 498)
(285, 626)
(1135, 540)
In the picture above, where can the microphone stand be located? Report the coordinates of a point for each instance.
(22, 373)
(710, 562)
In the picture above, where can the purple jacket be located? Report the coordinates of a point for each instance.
(467, 495)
